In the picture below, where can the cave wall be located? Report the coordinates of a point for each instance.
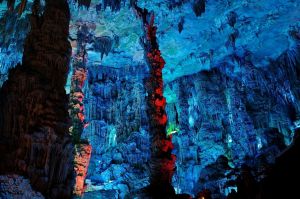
(117, 129)
(34, 120)
(227, 115)
(114, 100)
(243, 116)
(13, 31)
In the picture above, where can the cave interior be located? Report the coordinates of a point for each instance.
(149, 99)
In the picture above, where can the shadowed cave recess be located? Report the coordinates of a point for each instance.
(160, 99)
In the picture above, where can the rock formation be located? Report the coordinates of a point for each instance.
(14, 186)
(116, 112)
(199, 7)
(34, 120)
(13, 31)
(76, 110)
(79, 76)
(81, 164)
(237, 114)
(162, 162)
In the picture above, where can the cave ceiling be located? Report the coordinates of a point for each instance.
(190, 40)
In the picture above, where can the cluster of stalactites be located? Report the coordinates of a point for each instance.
(115, 5)
(85, 3)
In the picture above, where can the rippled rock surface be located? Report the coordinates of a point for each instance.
(34, 121)
(17, 187)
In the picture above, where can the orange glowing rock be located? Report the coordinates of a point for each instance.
(80, 116)
(82, 160)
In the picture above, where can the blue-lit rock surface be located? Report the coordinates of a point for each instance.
(232, 113)
(115, 35)
(258, 26)
(117, 129)
(13, 31)
(231, 84)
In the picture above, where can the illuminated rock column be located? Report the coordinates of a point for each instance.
(162, 160)
(83, 149)
(78, 78)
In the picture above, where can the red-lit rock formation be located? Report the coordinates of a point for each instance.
(76, 110)
(162, 160)
(82, 160)
(34, 120)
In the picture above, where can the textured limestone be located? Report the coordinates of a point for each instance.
(236, 113)
(34, 120)
(17, 187)
(76, 109)
(81, 164)
(162, 162)
(122, 168)
(115, 110)
(114, 105)
(237, 110)
(13, 31)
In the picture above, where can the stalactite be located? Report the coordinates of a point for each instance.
(103, 45)
(199, 7)
(162, 162)
(85, 3)
(176, 3)
(115, 5)
(180, 24)
(232, 18)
